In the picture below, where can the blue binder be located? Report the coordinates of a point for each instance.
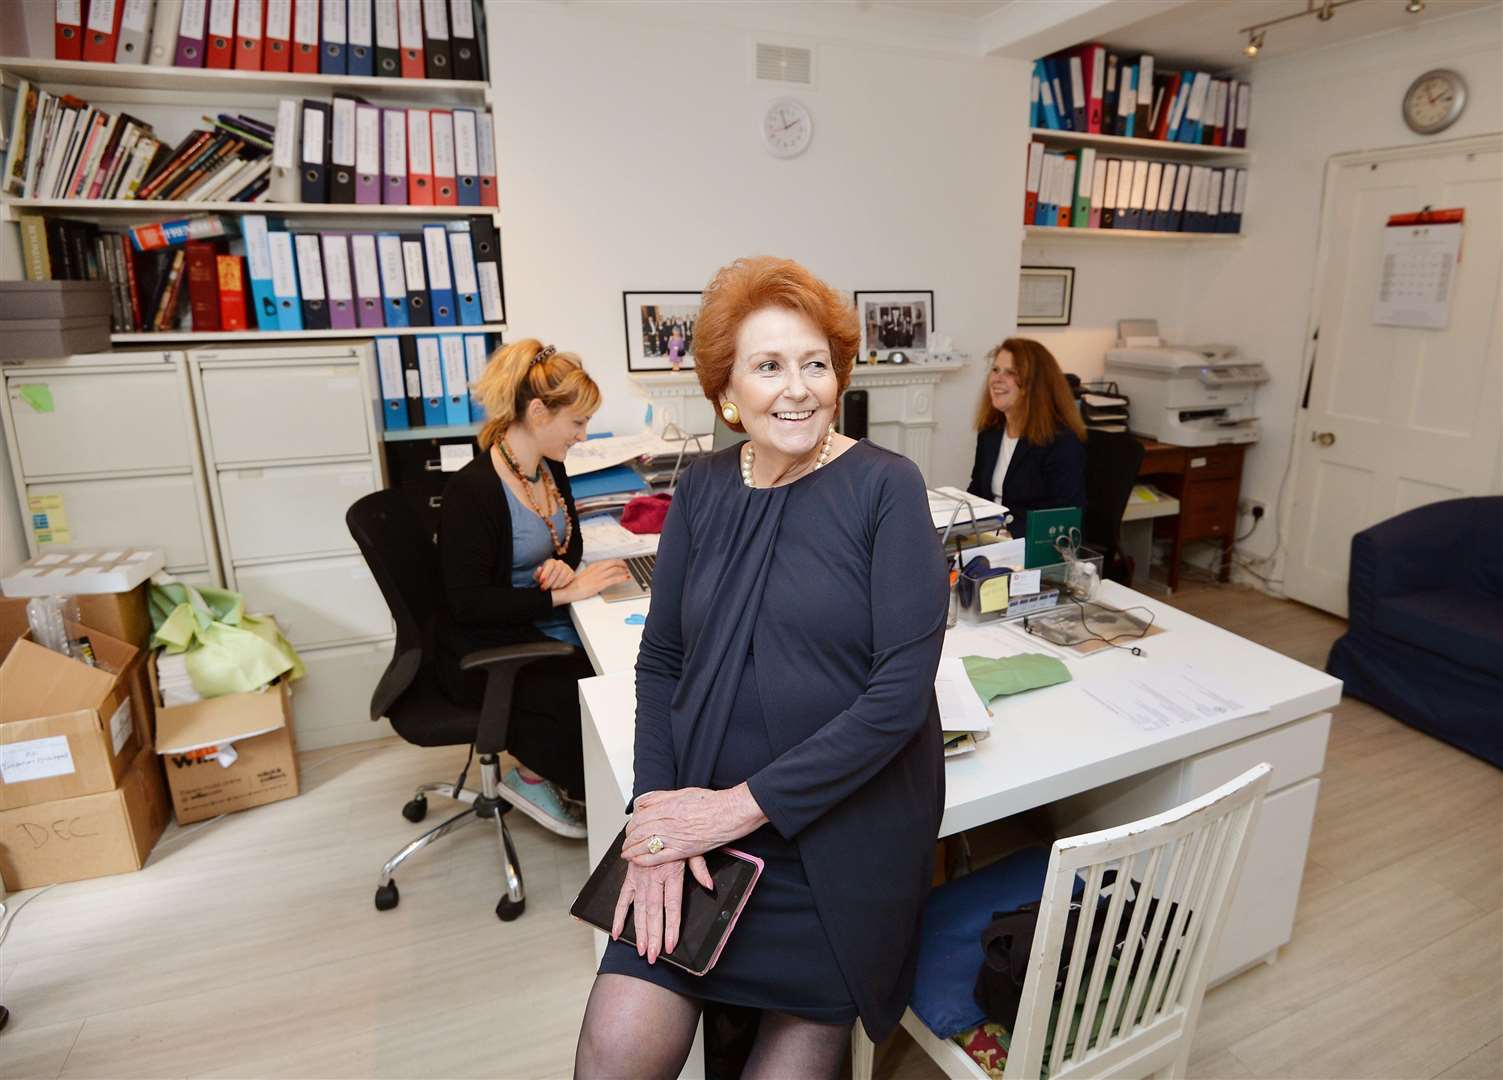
(331, 56)
(393, 280)
(258, 257)
(456, 380)
(1129, 122)
(284, 280)
(466, 284)
(431, 377)
(360, 56)
(440, 276)
(476, 356)
(393, 391)
(1048, 108)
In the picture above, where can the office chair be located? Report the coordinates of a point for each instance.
(404, 562)
(1112, 461)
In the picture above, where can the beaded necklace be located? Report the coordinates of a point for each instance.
(550, 495)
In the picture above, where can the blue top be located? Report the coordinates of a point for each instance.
(531, 545)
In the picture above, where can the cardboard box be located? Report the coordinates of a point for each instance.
(124, 616)
(90, 836)
(67, 729)
(258, 728)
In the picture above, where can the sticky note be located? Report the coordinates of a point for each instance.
(38, 503)
(994, 594)
(37, 395)
(1025, 582)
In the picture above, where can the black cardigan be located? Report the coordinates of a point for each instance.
(482, 607)
(1038, 477)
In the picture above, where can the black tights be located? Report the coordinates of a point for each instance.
(637, 1030)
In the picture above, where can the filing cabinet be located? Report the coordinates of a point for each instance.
(414, 468)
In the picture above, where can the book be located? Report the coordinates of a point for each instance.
(172, 233)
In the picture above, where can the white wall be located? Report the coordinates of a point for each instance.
(631, 159)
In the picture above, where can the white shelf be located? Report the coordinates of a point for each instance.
(1055, 232)
(204, 337)
(74, 74)
(177, 207)
(441, 431)
(1122, 145)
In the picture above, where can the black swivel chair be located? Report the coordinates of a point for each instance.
(1112, 461)
(404, 562)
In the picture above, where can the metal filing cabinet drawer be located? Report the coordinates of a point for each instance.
(317, 601)
(280, 412)
(291, 510)
(153, 511)
(101, 422)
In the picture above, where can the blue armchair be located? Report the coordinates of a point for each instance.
(1425, 611)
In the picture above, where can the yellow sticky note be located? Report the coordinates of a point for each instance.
(994, 594)
(37, 395)
(38, 503)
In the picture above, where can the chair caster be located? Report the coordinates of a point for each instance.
(416, 810)
(507, 910)
(387, 896)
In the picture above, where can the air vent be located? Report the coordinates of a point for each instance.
(785, 64)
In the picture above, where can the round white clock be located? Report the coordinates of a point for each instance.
(1434, 101)
(787, 128)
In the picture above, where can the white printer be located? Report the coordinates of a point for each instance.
(1190, 395)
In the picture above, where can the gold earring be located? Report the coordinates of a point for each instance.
(730, 413)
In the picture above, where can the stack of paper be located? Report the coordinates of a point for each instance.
(963, 717)
(949, 504)
(173, 680)
(605, 538)
(609, 450)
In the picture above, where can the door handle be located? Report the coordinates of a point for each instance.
(1325, 438)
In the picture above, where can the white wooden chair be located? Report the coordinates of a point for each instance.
(1189, 858)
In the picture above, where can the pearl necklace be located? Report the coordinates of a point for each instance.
(751, 454)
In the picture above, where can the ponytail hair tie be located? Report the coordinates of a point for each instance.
(543, 354)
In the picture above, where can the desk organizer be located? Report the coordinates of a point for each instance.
(979, 602)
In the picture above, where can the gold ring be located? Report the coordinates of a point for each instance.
(654, 845)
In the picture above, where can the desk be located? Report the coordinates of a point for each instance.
(1207, 480)
(1056, 748)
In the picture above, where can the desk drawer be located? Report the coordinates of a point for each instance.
(1213, 463)
(317, 601)
(1208, 510)
(292, 510)
(282, 413)
(1296, 751)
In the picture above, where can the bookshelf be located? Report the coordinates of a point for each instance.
(205, 337)
(1127, 236)
(444, 431)
(1158, 148)
(142, 208)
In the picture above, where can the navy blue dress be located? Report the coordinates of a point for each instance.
(792, 643)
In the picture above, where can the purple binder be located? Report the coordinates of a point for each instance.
(367, 278)
(190, 35)
(367, 154)
(339, 283)
(394, 157)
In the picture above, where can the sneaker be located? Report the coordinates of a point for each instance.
(544, 803)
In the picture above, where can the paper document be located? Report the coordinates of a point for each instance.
(944, 503)
(595, 454)
(605, 538)
(1158, 697)
(960, 707)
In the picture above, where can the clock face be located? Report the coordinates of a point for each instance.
(787, 128)
(1434, 101)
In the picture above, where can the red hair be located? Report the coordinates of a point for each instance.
(749, 285)
(1047, 402)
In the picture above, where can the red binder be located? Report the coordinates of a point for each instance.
(219, 39)
(276, 33)
(305, 37)
(410, 38)
(1093, 62)
(231, 270)
(67, 30)
(445, 182)
(102, 33)
(1171, 91)
(419, 159)
(249, 19)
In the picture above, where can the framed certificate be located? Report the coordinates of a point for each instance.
(1045, 295)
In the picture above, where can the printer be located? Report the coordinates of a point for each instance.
(1190, 395)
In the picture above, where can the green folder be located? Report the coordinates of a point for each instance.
(1046, 526)
(1080, 215)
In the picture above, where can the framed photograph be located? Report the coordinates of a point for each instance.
(1045, 295)
(895, 322)
(660, 330)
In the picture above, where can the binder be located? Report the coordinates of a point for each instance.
(1113, 185)
(1109, 96)
(393, 385)
(1080, 213)
(1193, 200)
(1094, 59)
(276, 51)
(253, 228)
(388, 41)
(487, 245)
(394, 157)
(1216, 102)
(486, 144)
(1181, 103)
(1243, 110)
(1031, 182)
(410, 38)
(314, 153)
(475, 359)
(1151, 195)
(67, 30)
(248, 35)
(393, 279)
(441, 303)
(419, 159)
(412, 382)
(431, 376)
(1213, 202)
(466, 285)
(1163, 214)
(1190, 126)
(436, 40)
(360, 46)
(342, 152)
(331, 55)
(466, 158)
(1061, 101)
(456, 385)
(284, 280)
(305, 37)
(220, 43)
(1127, 101)
(367, 154)
(285, 178)
(1224, 113)
(1239, 202)
(366, 280)
(1064, 197)
(165, 18)
(1047, 109)
(1172, 90)
(1144, 98)
(464, 46)
(445, 191)
(341, 289)
(190, 34)
(310, 276)
(1177, 208)
(102, 31)
(1098, 193)
(231, 272)
(1136, 196)
(1035, 110)
(135, 32)
(419, 310)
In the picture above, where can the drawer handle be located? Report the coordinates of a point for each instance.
(1325, 438)
(435, 501)
(433, 465)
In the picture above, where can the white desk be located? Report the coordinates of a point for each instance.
(1057, 748)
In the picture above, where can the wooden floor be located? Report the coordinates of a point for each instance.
(249, 946)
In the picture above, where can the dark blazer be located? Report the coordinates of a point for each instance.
(1038, 477)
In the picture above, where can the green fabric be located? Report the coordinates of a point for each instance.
(1013, 674)
(228, 651)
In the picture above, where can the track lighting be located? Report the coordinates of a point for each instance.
(1253, 46)
(1414, 7)
(1324, 10)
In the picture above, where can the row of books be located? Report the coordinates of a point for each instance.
(440, 275)
(65, 148)
(408, 39)
(425, 379)
(1086, 191)
(1091, 90)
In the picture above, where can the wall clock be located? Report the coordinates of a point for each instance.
(787, 128)
(1434, 101)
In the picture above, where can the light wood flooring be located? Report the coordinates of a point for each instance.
(249, 946)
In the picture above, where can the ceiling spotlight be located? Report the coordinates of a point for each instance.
(1254, 44)
(1414, 7)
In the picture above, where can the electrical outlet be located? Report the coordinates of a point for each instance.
(1251, 506)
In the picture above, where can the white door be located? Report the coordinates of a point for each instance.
(1396, 417)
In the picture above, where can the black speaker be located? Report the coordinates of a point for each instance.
(853, 414)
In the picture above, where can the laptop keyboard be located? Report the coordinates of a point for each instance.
(640, 567)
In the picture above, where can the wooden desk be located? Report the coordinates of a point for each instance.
(1207, 480)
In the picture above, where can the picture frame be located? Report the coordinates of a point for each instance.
(1046, 295)
(660, 329)
(895, 321)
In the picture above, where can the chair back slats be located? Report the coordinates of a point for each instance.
(1133, 1013)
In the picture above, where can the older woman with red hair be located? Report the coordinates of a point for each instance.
(785, 702)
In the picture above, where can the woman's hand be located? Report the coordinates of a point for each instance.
(690, 822)
(553, 574)
(656, 898)
(594, 579)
